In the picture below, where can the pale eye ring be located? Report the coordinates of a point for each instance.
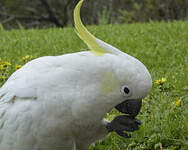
(126, 91)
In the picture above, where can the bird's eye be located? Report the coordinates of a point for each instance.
(126, 91)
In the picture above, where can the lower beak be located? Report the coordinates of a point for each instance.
(131, 107)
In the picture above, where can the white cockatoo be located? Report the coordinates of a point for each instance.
(59, 102)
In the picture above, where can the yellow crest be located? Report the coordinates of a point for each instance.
(84, 34)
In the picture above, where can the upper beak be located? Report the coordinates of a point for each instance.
(131, 107)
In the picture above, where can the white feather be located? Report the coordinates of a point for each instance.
(52, 101)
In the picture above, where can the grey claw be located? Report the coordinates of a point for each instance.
(123, 134)
(138, 121)
(123, 123)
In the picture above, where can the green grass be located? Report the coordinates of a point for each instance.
(162, 47)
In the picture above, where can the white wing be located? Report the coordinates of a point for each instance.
(40, 77)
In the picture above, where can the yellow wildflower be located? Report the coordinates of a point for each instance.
(7, 63)
(18, 66)
(163, 80)
(160, 81)
(2, 77)
(177, 102)
(27, 57)
(4, 65)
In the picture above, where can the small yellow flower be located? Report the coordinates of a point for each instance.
(7, 63)
(3, 77)
(177, 102)
(1, 67)
(18, 66)
(163, 80)
(160, 81)
(4, 65)
(27, 57)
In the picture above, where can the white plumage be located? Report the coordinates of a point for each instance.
(58, 102)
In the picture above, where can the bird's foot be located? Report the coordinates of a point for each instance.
(123, 123)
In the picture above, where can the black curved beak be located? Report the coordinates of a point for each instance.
(131, 107)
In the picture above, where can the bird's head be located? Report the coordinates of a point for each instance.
(130, 80)
(125, 80)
